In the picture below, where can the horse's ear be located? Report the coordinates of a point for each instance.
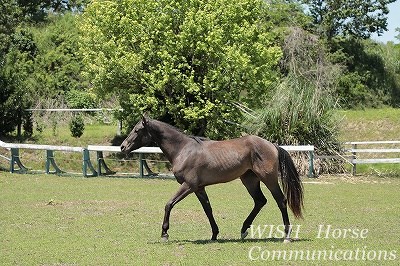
(145, 119)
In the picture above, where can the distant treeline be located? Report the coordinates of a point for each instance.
(199, 64)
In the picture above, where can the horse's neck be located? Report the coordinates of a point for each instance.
(170, 140)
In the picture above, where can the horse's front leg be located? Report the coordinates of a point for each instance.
(182, 192)
(203, 198)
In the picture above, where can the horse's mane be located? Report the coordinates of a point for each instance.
(198, 139)
(168, 125)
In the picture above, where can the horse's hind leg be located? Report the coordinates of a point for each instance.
(272, 184)
(252, 184)
(203, 198)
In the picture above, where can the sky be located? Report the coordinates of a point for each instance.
(393, 23)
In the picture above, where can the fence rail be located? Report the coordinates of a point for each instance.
(101, 164)
(50, 158)
(353, 155)
(102, 169)
(354, 151)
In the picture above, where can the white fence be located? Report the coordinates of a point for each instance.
(369, 151)
(356, 152)
(102, 168)
(50, 158)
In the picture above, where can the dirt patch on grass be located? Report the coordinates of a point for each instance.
(89, 207)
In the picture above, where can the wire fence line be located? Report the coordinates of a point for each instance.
(84, 110)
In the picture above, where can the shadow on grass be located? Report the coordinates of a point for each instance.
(224, 241)
(137, 176)
(77, 174)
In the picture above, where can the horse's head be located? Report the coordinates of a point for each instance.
(138, 137)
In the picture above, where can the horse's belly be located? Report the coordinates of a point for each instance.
(224, 167)
(213, 166)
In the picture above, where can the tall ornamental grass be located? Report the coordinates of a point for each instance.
(301, 109)
(297, 114)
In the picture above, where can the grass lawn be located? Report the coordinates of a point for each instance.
(70, 220)
(56, 220)
(370, 124)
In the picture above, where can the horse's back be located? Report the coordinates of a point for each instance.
(241, 153)
(245, 146)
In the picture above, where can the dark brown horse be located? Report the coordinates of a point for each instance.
(197, 163)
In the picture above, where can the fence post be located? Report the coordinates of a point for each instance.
(311, 164)
(119, 129)
(16, 160)
(100, 158)
(354, 157)
(87, 164)
(51, 162)
(14, 154)
(141, 165)
(101, 163)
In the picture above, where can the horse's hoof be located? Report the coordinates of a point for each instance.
(243, 235)
(164, 239)
(287, 240)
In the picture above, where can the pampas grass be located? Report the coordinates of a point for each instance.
(301, 109)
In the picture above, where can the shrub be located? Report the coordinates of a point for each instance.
(81, 99)
(77, 126)
(300, 110)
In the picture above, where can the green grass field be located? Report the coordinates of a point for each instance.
(71, 220)
(53, 220)
(372, 125)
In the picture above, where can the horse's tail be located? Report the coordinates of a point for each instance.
(291, 183)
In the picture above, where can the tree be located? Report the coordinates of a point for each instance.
(37, 60)
(390, 54)
(187, 62)
(352, 18)
(43, 63)
(347, 27)
(58, 65)
(9, 14)
(9, 18)
(369, 74)
(38, 10)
